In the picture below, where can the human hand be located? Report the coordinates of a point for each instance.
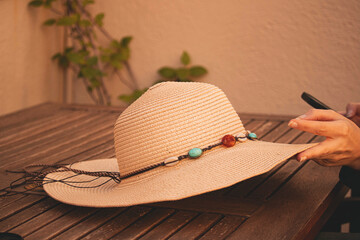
(342, 144)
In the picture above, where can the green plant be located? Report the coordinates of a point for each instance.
(185, 73)
(85, 56)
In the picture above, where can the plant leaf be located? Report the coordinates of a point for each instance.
(50, 22)
(99, 19)
(167, 72)
(182, 73)
(115, 44)
(130, 98)
(76, 57)
(92, 60)
(86, 2)
(68, 49)
(63, 62)
(197, 71)
(68, 20)
(36, 3)
(48, 3)
(125, 98)
(85, 23)
(55, 56)
(94, 82)
(124, 54)
(125, 41)
(91, 73)
(185, 58)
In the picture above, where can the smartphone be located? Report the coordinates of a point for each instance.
(314, 102)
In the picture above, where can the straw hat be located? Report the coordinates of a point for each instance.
(164, 123)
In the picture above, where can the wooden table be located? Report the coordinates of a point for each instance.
(292, 201)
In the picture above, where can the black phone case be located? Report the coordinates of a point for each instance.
(312, 101)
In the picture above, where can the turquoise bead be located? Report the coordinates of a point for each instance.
(252, 135)
(195, 152)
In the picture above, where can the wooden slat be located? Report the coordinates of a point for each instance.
(27, 213)
(118, 223)
(242, 189)
(53, 123)
(277, 192)
(49, 230)
(210, 203)
(92, 152)
(266, 128)
(276, 133)
(266, 116)
(255, 124)
(170, 225)
(289, 136)
(105, 150)
(41, 141)
(19, 205)
(45, 146)
(93, 108)
(77, 144)
(90, 224)
(197, 226)
(28, 114)
(280, 177)
(42, 220)
(322, 213)
(30, 123)
(46, 135)
(144, 224)
(6, 200)
(224, 227)
(303, 194)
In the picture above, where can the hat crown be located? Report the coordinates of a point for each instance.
(170, 119)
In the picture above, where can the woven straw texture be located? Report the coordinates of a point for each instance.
(168, 120)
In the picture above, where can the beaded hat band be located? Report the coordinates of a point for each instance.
(34, 179)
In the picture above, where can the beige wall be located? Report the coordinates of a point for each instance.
(27, 76)
(263, 54)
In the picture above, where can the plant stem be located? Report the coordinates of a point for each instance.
(131, 74)
(106, 34)
(56, 11)
(121, 78)
(101, 90)
(92, 21)
(87, 86)
(101, 68)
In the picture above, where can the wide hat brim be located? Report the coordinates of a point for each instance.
(216, 169)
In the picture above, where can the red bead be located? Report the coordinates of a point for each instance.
(228, 140)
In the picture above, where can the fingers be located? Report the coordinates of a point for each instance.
(321, 153)
(311, 153)
(352, 109)
(328, 128)
(321, 115)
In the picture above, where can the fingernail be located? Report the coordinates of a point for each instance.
(301, 117)
(303, 158)
(350, 113)
(292, 124)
